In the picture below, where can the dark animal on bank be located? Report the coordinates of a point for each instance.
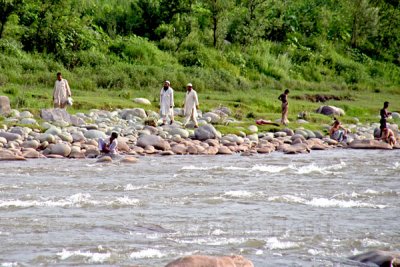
(379, 257)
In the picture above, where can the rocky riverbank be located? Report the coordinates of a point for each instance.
(57, 134)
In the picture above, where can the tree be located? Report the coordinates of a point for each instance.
(365, 21)
(8, 7)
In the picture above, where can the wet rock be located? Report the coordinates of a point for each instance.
(31, 153)
(210, 261)
(167, 153)
(296, 149)
(179, 149)
(369, 144)
(378, 258)
(9, 155)
(129, 159)
(104, 159)
(153, 140)
(223, 150)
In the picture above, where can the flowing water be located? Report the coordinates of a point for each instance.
(277, 210)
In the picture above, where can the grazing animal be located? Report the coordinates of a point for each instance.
(379, 257)
(210, 261)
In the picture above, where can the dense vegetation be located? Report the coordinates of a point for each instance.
(237, 53)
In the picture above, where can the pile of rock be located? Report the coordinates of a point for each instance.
(61, 135)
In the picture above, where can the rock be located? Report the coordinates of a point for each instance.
(94, 134)
(318, 134)
(378, 258)
(104, 159)
(310, 134)
(30, 144)
(129, 159)
(265, 149)
(288, 131)
(31, 154)
(122, 146)
(206, 132)
(46, 137)
(192, 150)
(78, 137)
(66, 137)
(77, 155)
(395, 115)
(143, 101)
(253, 137)
(280, 134)
(54, 156)
(253, 128)
(210, 261)
(5, 108)
(223, 111)
(53, 130)
(167, 153)
(212, 117)
(330, 110)
(3, 141)
(29, 121)
(10, 136)
(369, 144)
(153, 140)
(301, 132)
(59, 114)
(223, 150)
(25, 115)
(179, 149)
(178, 131)
(90, 127)
(127, 114)
(61, 149)
(8, 155)
(296, 149)
(301, 121)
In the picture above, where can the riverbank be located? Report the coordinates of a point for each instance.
(57, 134)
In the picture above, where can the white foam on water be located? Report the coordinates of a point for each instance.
(274, 243)
(368, 243)
(211, 241)
(329, 203)
(147, 254)
(9, 264)
(192, 167)
(76, 200)
(259, 252)
(287, 199)
(312, 168)
(218, 232)
(130, 187)
(92, 257)
(313, 252)
(269, 168)
(239, 194)
(371, 192)
(127, 201)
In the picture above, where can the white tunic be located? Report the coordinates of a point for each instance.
(166, 101)
(191, 101)
(61, 92)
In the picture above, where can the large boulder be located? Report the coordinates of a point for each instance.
(378, 258)
(10, 136)
(59, 114)
(61, 149)
(369, 144)
(212, 117)
(143, 101)
(5, 107)
(210, 261)
(330, 110)
(127, 114)
(9, 155)
(94, 134)
(206, 132)
(154, 141)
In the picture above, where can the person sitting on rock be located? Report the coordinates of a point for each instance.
(384, 115)
(388, 136)
(337, 131)
(110, 145)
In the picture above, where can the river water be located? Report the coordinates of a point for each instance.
(277, 210)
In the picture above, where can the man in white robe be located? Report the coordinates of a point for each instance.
(167, 103)
(61, 92)
(191, 106)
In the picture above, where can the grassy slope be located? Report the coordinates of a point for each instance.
(109, 83)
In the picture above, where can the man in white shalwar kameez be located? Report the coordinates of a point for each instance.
(191, 106)
(61, 92)
(167, 103)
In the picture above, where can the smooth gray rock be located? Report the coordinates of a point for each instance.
(29, 121)
(143, 101)
(212, 117)
(135, 112)
(58, 114)
(330, 110)
(206, 132)
(94, 134)
(61, 149)
(154, 141)
(25, 115)
(10, 136)
(46, 137)
(378, 258)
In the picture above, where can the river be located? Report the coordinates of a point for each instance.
(277, 210)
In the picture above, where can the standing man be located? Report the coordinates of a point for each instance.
(285, 107)
(167, 103)
(61, 92)
(191, 106)
(384, 115)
